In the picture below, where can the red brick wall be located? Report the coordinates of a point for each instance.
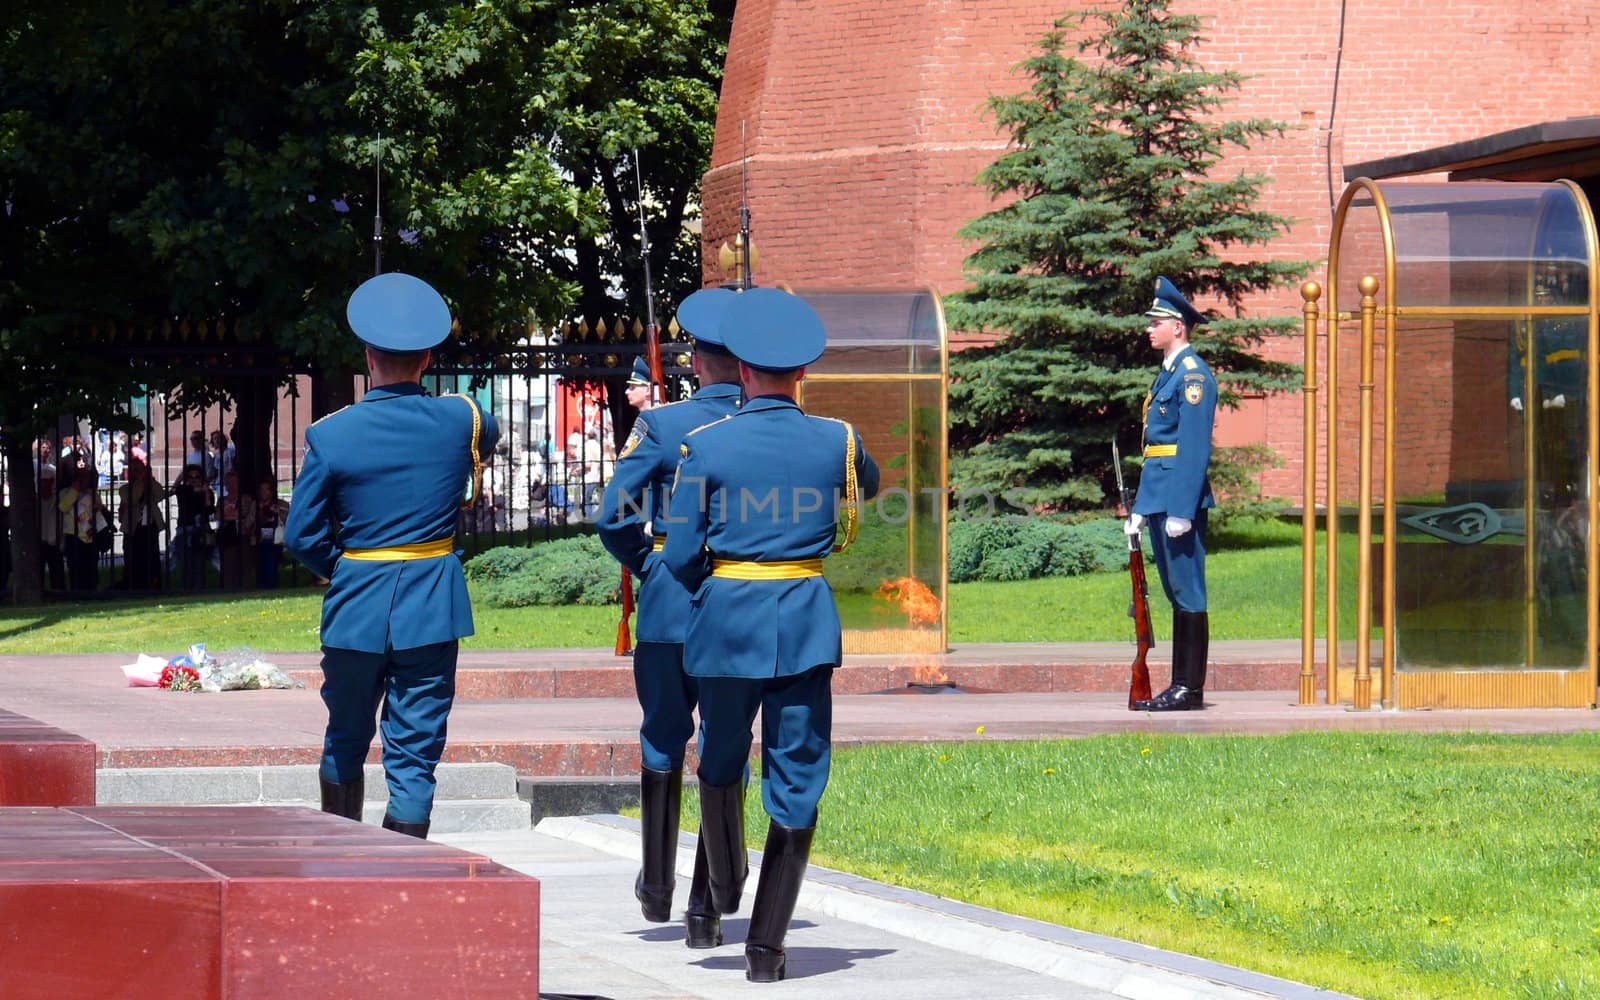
(866, 129)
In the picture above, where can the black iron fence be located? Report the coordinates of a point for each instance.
(206, 516)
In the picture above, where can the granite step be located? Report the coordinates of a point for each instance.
(604, 675)
(470, 797)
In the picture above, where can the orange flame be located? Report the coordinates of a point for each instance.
(912, 597)
(928, 675)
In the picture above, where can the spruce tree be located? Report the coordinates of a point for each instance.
(1113, 178)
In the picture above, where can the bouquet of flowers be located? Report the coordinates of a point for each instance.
(243, 669)
(177, 677)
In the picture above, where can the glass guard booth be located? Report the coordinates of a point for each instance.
(885, 371)
(1459, 423)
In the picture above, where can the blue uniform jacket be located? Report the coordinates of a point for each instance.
(760, 486)
(390, 470)
(1180, 410)
(1561, 368)
(637, 493)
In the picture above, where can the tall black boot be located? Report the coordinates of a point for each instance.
(722, 833)
(702, 925)
(783, 868)
(660, 796)
(1197, 650)
(344, 798)
(418, 830)
(1190, 632)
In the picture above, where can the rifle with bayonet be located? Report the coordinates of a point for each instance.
(1144, 634)
(652, 342)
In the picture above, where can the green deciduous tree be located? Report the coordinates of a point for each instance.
(216, 161)
(1116, 175)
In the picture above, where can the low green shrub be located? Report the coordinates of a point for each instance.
(568, 571)
(1015, 548)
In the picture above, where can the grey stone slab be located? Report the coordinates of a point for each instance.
(1100, 965)
(578, 796)
(178, 785)
(594, 941)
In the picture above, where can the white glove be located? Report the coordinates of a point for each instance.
(1177, 526)
(1556, 402)
(1134, 524)
(1516, 403)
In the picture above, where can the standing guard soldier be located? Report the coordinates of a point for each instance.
(374, 512)
(635, 503)
(753, 512)
(1174, 493)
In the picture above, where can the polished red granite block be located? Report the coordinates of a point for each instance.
(467, 934)
(245, 902)
(41, 765)
(610, 681)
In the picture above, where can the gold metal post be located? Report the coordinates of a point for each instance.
(1310, 292)
(1363, 687)
(1591, 498)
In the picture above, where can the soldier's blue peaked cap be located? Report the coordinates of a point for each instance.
(398, 312)
(773, 330)
(701, 314)
(1170, 302)
(641, 372)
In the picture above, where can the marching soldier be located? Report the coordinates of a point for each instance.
(1174, 493)
(634, 505)
(374, 512)
(753, 512)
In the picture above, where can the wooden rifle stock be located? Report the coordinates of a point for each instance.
(624, 639)
(1144, 633)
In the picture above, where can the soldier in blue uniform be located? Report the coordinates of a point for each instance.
(1556, 403)
(638, 389)
(753, 512)
(633, 507)
(374, 512)
(1174, 493)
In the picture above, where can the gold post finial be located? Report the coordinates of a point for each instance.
(732, 258)
(1311, 291)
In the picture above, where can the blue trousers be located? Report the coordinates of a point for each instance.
(1181, 562)
(668, 697)
(415, 688)
(796, 738)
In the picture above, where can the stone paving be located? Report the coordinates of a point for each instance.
(597, 736)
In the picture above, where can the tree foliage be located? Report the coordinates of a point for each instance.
(1116, 175)
(216, 161)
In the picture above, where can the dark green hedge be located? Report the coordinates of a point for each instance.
(579, 571)
(1007, 548)
(568, 571)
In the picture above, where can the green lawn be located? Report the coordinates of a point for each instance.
(1253, 575)
(1389, 866)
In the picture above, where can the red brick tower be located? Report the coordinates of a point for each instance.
(865, 125)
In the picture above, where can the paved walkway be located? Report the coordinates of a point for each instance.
(597, 736)
(850, 938)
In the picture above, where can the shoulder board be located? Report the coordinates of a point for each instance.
(1190, 363)
(835, 420)
(713, 423)
(335, 413)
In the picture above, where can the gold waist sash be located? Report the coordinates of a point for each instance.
(788, 569)
(399, 553)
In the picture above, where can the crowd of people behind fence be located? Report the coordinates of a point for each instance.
(204, 530)
(200, 530)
